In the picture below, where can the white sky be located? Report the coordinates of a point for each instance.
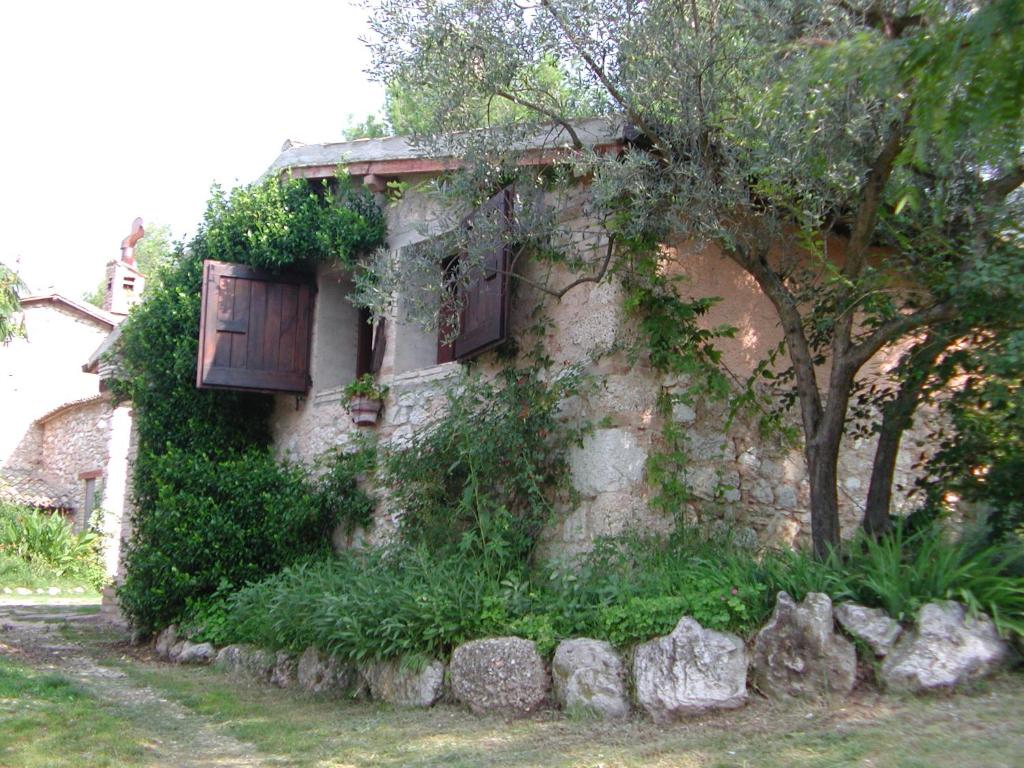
(111, 110)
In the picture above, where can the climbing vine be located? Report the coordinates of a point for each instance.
(212, 505)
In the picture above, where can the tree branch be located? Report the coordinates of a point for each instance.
(558, 294)
(601, 75)
(891, 330)
(556, 117)
(999, 187)
(756, 264)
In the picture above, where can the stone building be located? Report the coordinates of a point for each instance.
(755, 484)
(64, 445)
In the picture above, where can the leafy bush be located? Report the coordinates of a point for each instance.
(40, 546)
(486, 476)
(905, 569)
(233, 520)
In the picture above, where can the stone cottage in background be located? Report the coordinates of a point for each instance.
(306, 342)
(64, 445)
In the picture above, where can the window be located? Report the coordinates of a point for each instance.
(476, 300)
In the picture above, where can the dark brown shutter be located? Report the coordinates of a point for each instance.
(379, 342)
(484, 302)
(254, 330)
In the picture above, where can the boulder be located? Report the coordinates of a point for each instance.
(872, 626)
(798, 654)
(319, 673)
(231, 658)
(690, 671)
(196, 653)
(502, 675)
(176, 649)
(947, 648)
(259, 664)
(165, 641)
(588, 676)
(283, 672)
(390, 683)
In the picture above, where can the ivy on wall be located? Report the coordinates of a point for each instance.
(212, 506)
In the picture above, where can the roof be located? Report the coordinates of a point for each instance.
(400, 155)
(95, 362)
(63, 407)
(79, 307)
(31, 488)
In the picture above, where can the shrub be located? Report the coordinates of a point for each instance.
(234, 520)
(40, 546)
(485, 477)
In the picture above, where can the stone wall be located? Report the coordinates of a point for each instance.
(756, 485)
(76, 440)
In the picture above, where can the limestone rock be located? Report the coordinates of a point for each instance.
(175, 651)
(165, 641)
(690, 671)
(405, 687)
(283, 673)
(609, 460)
(259, 664)
(319, 673)
(870, 625)
(196, 653)
(503, 674)
(231, 658)
(588, 675)
(946, 648)
(797, 653)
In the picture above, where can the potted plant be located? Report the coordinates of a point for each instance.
(364, 399)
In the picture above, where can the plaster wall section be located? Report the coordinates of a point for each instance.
(44, 370)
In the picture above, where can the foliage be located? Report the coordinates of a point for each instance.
(233, 519)
(485, 477)
(211, 501)
(365, 386)
(38, 544)
(795, 137)
(370, 127)
(10, 287)
(338, 485)
(980, 458)
(905, 569)
(274, 224)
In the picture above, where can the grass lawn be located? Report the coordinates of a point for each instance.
(983, 728)
(41, 716)
(47, 720)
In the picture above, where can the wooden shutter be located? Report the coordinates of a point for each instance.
(254, 330)
(484, 302)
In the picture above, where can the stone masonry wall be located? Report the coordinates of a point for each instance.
(756, 485)
(76, 440)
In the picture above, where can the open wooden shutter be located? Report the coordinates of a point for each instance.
(254, 330)
(484, 302)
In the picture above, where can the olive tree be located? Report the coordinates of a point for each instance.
(773, 129)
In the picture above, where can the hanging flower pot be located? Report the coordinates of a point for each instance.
(365, 410)
(364, 399)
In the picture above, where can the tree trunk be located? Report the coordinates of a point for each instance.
(897, 416)
(824, 501)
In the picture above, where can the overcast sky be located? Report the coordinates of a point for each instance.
(111, 110)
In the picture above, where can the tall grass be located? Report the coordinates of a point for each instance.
(40, 546)
(905, 569)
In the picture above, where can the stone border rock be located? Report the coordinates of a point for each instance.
(690, 671)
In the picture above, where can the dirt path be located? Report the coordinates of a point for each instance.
(31, 634)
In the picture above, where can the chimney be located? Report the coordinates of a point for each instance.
(124, 281)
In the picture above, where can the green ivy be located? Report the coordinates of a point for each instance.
(211, 502)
